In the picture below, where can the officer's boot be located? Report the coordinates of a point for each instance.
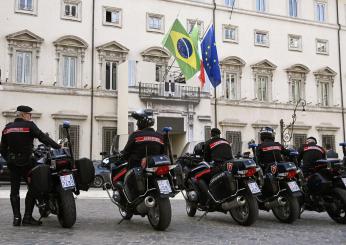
(29, 208)
(17, 217)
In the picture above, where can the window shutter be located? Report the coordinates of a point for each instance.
(298, 140)
(328, 139)
(108, 134)
(19, 67)
(234, 137)
(207, 133)
(74, 133)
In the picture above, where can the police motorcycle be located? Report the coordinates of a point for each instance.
(280, 189)
(57, 177)
(232, 186)
(143, 191)
(325, 189)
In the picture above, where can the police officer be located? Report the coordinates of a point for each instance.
(16, 147)
(269, 151)
(310, 152)
(217, 149)
(143, 142)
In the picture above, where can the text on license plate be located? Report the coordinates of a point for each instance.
(164, 186)
(344, 180)
(67, 181)
(293, 186)
(254, 187)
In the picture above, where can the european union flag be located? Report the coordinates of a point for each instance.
(210, 58)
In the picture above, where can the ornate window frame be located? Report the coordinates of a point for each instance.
(228, 27)
(162, 23)
(265, 44)
(232, 64)
(325, 75)
(157, 55)
(324, 41)
(112, 9)
(297, 72)
(70, 46)
(24, 41)
(263, 68)
(32, 11)
(109, 52)
(79, 10)
(299, 40)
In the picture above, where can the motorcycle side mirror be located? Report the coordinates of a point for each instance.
(342, 144)
(103, 153)
(167, 129)
(66, 124)
(252, 145)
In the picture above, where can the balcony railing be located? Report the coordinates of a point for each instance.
(166, 91)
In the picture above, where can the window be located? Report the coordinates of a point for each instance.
(159, 72)
(24, 67)
(155, 23)
(261, 38)
(108, 134)
(328, 140)
(322, 47)
(229, 3)
(320, 11)
(74, 134)
(69, 72)
(292, 5)
(298, 140)
(71, 10)
(262, 89)
(260, 5)
(26, 7)
(112, 16)
(324, 93)
(191, 24)
(231, 86)
(230, 33)
(294, 43)
(111, 75)
(207, 133)
(234, 137)
(296, 87)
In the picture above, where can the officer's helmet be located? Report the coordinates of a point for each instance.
(199, 149)
(267, 133)
(311, 140)
(144, 118)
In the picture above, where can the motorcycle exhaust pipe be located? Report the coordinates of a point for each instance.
(236, 203)
(149, 202)
(192, 196)
(280, 201)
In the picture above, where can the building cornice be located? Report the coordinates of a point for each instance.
(69, 116)
(109, 118)
(232, 123)
(12, 114)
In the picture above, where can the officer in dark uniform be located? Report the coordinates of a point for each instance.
(17, 147)
(217, 149)
(310, 152)
(269, 151)
(143, 142)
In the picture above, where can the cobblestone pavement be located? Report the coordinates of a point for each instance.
(97, 223)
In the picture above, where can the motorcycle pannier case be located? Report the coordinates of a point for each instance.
(223, 185)
(41, 179)
(318, 184)
(271, 186)
(242, 164)
(135, 184)
(85, 173)
(159, 160)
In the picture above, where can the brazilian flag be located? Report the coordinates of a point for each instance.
(183, 48)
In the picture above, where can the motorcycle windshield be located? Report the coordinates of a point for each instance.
(118, 143)
(189, 148)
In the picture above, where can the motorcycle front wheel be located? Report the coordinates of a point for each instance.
(160, 215)
(247, 214)
(337, 210)
(288, 212)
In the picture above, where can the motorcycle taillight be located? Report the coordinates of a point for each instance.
(61, 163)
(291, 174)
(162, 170)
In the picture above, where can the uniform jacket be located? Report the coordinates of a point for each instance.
(310, 153)
(269, 152)
(218, 150)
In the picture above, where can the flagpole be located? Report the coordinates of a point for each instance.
(215, 100)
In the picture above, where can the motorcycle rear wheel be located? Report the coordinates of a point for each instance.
(289, 212)
(66, 208)
(338, 214)
(160, 215)
(246, 215)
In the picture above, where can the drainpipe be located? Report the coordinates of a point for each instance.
(215, 99)
(340, 71)
(92, 79)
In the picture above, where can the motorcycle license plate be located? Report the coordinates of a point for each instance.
(164, 186)
(254, 188)
(344, 180)
(67, 181)
(293, 186)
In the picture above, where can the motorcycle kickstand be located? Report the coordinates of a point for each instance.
(119, 223)
(203, 215)
(301, 211)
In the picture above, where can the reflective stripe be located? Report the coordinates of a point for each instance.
(219, 142)
(16, 130)
(309, 148)
(199, 175)
(272, 148)
(122, 172)
(149, 139)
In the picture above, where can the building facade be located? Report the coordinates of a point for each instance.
(72, 60)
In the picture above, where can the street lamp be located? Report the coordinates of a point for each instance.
(287, 130)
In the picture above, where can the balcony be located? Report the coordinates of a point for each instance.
(169, 92)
